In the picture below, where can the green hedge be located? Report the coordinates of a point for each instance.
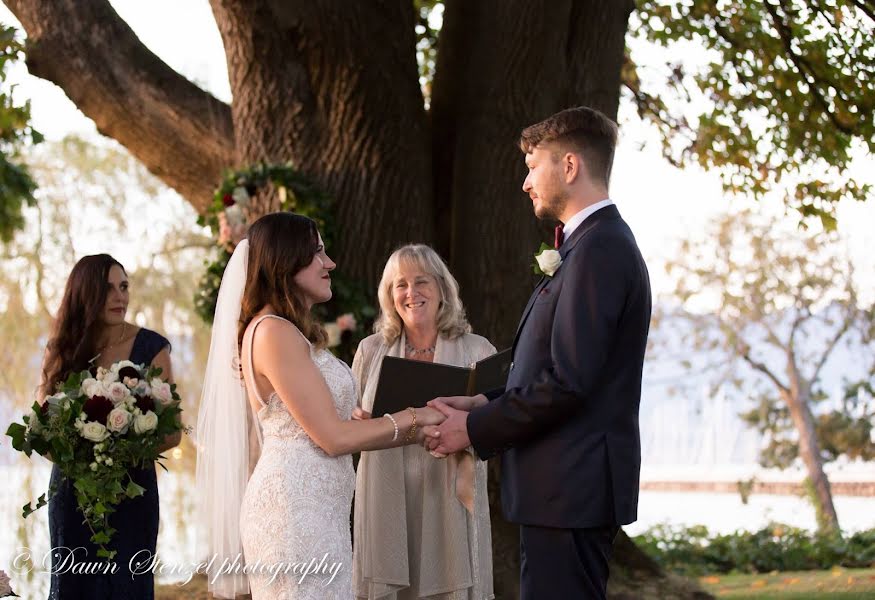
(695, 551)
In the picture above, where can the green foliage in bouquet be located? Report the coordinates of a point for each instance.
(227, 217)
(97, 427)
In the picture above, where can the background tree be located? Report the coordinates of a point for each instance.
(784, 307)
(16, 185)
(335, 87)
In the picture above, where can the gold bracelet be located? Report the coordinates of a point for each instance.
(412, 432)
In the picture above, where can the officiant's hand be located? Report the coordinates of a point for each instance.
(451, 435)
(360, 414)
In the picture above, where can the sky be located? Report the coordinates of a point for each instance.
(662, 204)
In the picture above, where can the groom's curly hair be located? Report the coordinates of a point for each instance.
(583, 130)
(280, 245)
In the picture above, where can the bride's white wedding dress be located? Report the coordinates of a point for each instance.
(295, 516)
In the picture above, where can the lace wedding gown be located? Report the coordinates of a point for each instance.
(295, 516)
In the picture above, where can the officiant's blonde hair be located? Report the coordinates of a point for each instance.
(451, 320)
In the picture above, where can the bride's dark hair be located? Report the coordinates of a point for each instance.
(280, 245)
(73, 341)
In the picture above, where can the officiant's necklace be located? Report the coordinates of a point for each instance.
(416, 351)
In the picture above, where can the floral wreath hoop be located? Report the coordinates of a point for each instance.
(349, 309)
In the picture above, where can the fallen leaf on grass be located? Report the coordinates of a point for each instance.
(711, 579)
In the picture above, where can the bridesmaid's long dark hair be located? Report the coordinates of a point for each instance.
(73, 341)
(280, 245)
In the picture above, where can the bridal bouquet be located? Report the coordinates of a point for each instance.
(101, 423)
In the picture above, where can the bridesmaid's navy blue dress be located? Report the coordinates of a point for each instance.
(135, 519)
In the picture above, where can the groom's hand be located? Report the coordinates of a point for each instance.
(453, 432)
(466, 403)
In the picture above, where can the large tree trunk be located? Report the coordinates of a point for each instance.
(503, 65)
(798, 399)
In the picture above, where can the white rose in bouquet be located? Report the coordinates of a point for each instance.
(161, 391)
(94, 431)
(33, 423)
(121, 365)
(119, 420)
(118, 392)
(145, 423)
(91, 387)
(108, 377)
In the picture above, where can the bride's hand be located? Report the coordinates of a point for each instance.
(429, 416)
(360, 414)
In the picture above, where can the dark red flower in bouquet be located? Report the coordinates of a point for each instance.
(144, 403)
(128, 372)
(228, 200)
(97, 408)
(44, 408)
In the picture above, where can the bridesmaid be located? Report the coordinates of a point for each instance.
(90, 329)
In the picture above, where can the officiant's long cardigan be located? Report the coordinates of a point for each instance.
(413, 534)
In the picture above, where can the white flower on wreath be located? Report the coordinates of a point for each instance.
(119, 420)
(161, 391)
(234, 214)
(94, 431)
(145, 423)
(240, 196)
(547, 261)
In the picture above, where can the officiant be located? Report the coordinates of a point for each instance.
(421, 526)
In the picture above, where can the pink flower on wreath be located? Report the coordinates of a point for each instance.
(347, 322)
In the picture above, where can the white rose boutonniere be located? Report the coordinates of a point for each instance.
(547, 261)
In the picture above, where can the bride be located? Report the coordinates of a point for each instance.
(282, 529)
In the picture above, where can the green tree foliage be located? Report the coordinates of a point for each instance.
(16, 185)
(784, 91)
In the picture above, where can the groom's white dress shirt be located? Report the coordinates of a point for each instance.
(581, 216)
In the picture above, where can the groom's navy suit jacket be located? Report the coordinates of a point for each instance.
(566, 423)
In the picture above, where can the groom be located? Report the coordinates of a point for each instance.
(566, 425)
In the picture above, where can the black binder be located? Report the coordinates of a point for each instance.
(413, 383)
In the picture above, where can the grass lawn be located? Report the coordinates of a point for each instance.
(837, 584)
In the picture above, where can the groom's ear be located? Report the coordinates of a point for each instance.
(572, 167)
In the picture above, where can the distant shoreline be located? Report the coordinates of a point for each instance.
(780, 488)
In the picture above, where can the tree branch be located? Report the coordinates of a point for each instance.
(181, 133)
(846, 325)
(762, 368)
(805, 69)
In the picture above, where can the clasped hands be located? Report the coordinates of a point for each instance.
(444, 430)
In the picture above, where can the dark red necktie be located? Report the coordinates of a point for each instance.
(560, 237)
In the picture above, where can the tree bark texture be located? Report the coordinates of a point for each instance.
(798, 400)
(333, 87)
(503, 65)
